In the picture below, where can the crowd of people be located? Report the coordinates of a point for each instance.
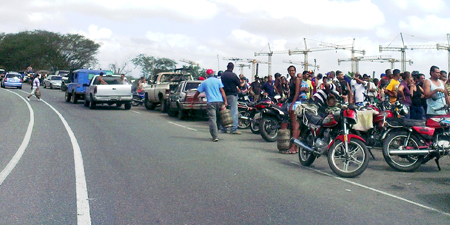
(423, 97)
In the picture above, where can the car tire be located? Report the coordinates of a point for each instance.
(86, 102)
(68, 96)
(171, 112)
(51, 86)
(19, 87)
(148, 104)
(45, 85)
(164, 106)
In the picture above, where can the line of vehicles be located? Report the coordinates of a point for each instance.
(405, 143)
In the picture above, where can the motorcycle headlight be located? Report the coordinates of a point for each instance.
(404, 110)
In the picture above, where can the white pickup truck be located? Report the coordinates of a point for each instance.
(114, 92)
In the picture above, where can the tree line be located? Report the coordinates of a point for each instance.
(45, 50)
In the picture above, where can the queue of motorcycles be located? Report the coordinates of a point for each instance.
(406, 143)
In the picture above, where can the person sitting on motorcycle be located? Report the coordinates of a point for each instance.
(141, 85)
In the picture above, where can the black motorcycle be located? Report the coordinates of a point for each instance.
(271, 118)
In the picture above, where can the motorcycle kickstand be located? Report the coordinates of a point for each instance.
(370, 151)
(437, 163)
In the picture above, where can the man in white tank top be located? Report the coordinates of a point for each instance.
(435, 93)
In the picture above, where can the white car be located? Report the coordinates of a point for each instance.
(52, 81)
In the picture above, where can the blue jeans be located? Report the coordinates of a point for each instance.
(232, 105)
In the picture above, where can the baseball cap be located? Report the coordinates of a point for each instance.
(209, 71)
(383, 75)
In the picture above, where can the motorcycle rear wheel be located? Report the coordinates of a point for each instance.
(244, 123)
(306, 158)
(254, 126)
(351, 165)
(407, 163)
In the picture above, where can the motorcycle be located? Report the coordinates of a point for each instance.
(415, 142)
(271, 119)
(138, 98)
(328, 134)
(244, 109)
(251, 113)
(384, 112)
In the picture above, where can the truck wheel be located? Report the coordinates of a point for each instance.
(164, 106)
(181, 114)
(68, 96)
(86, 102)
(148, 104)
(74, 98)
(92, 104)
(128, 105)
(63, 87)
(171, 112)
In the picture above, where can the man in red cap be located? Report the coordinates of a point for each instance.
(215, 96)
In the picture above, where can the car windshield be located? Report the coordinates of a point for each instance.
(56, 78)
(190, 86)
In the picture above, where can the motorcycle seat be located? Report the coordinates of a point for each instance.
(415, 123)
(313, 118)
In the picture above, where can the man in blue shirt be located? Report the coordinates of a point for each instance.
(215, 96)
(268, 88)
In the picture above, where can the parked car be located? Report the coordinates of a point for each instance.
(180, 100)
(12, 79)
(2, 74)
(52, 81)
(114, 92)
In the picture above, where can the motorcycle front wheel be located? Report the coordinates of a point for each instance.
(352, 163)
(396, 141)
(136, 100)
(254, 126)
(268, 128)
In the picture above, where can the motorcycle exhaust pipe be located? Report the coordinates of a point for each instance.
(244, 117)
(413, 152)
(301, 144)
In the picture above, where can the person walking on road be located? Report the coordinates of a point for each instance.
(215, 97)
(35, 88)
(231, 83)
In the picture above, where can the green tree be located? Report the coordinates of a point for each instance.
(151, 66)
(46, 50)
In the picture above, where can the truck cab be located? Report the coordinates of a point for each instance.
(79, 81)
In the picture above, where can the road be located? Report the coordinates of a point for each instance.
(66, 164)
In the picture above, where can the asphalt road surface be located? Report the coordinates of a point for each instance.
(66, 164)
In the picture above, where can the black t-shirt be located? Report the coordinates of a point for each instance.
(269, 89)
(256, 87)
(230, 82)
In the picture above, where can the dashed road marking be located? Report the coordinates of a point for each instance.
(176, 124)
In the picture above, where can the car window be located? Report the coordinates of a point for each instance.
(13, 75)
(56, 78)
(190, 86)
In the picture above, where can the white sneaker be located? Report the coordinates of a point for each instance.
(28, 99)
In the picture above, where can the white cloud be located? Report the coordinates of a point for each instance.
(170, 40)
(243, 36)
(362, 14)
(427, 26)
(96, 34)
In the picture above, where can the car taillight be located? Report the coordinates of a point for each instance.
(95, 90)
(21, 81)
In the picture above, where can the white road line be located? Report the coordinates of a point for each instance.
(16, 158)
(376, 190)
(135, 112)
(83, 212)
(183, 126)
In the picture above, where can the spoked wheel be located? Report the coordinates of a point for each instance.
(397, 141)
(136, 100)
(254, 126)
(244, 123)
(268, 128)
(306, 158)
(348, 164)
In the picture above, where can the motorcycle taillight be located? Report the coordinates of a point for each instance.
(260, 106)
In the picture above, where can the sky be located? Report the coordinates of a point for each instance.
(208, 32)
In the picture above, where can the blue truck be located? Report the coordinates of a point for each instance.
(79, 81)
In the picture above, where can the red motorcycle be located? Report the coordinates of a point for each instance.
(415, 142)
(329, 135)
